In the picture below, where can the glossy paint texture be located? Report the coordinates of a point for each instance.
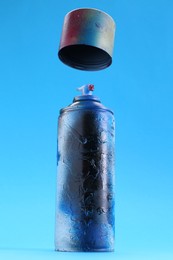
(87, 39)
(85, 181)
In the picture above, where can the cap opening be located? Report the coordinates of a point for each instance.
(85, 57)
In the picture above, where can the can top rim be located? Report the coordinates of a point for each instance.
(86, 97)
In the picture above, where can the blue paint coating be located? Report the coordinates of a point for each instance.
(85, 181)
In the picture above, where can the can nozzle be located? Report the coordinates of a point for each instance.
(86, 89)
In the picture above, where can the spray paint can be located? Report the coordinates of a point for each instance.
(85, 178)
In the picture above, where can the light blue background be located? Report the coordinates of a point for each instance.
(34, 85)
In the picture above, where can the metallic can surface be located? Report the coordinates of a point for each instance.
(85, 179)
(87, 39)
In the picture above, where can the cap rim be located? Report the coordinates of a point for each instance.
(85, 57)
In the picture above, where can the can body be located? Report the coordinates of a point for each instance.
(85, 178)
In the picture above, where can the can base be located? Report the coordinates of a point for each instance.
(85, 250)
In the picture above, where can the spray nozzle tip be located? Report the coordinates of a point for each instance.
(86, 89)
